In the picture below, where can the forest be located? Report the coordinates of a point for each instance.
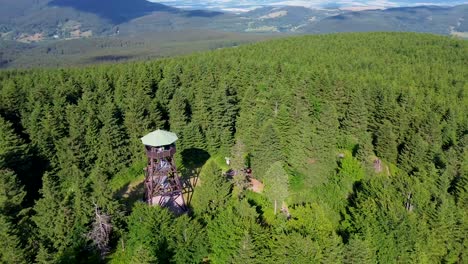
(360, 140)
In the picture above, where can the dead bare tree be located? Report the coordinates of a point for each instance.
(100, 233)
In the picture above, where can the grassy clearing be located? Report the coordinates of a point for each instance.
(128, 176)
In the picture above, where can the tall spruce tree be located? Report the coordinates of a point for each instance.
(113, 154)
(267, 150)
(276, 185)
(213, 193)
(386, 142)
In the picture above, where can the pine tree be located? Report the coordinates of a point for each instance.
(385, 142)
(224, 114)
(414, 154)
(359, 251)
(136, 125)
(178, 116)
(11, 194)
(72, 149)
(213, 192)
(13, 150)
(300, 146)
(169, 84)
(276, 185)
(283, 122)
(135, 105)
(10, 243)
(227, 231)
(193, 136)
(189, 242)
(324, 144)
(12, 98)
(356, 114)
(237, 164)
(149, 230)
(248, 125)
(294, 248)
(267, 150)
(113, 153)
(54, 220)
(365, 149)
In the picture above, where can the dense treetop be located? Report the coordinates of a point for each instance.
(361, 141)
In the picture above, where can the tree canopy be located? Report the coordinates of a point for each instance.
(363, 136)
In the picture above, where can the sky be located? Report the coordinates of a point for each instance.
(245, 5)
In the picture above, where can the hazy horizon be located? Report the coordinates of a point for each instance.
(246, 5)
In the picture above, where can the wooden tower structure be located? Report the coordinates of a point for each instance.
(162, 183)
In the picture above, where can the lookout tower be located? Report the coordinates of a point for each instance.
(162, 183)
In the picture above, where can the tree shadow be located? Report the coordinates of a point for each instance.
(130, 194)
(192, 159)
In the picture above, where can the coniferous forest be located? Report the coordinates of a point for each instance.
(360, 142)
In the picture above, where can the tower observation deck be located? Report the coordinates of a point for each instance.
(162, 182)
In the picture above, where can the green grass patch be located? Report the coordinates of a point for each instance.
(263, 207)
(220, 161)
(296, 182)
(126, 176)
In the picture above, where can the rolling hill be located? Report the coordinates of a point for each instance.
(37, 33)
(37, 20)
(430, 19)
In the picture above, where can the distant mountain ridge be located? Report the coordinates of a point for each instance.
(37, 20)
(117, 11)
(429, 19)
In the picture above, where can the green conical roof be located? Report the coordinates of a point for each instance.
(159, 138)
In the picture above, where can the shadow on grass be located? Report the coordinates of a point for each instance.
(192, 159)
(131, 193)
(129, 185)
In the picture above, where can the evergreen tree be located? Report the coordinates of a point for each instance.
(414, 154)
(238, 166)
(135, 121)
(148, 235)
(12, 251)
(276, 185)
(359, 251)
(324, 143)
(54, 220)
(294, 248)
(385, 142)
(11, 194)
(179, 116)
(113, 153)
(189, 242)
(227, 231)
(267, 151)
(13, 151)
(213, 192)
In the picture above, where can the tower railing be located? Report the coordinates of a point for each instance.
(155, 154)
